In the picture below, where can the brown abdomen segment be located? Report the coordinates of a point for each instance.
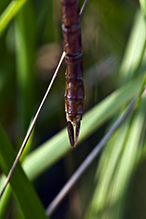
(74, 93)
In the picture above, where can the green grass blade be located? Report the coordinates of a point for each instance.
(22, 188)
(128, 162)
(11, 10)
(6, 199)
(25, 56)
(46, 155)
(143, 9)
(135, 50)
(7, 196)
(118, 164)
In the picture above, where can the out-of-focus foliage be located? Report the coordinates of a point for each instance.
(114, 60)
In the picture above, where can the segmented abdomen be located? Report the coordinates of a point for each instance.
(74, 93)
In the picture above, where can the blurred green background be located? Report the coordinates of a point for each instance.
(31, 44)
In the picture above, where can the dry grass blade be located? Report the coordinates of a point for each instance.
(32, 125)
(83, 8)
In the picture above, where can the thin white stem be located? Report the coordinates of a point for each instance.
(83, 8)
(32, 125)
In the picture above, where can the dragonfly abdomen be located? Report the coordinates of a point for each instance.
(74, 93)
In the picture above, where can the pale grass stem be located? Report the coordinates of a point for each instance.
(32, 125)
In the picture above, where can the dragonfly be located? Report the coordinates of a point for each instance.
(74, 92)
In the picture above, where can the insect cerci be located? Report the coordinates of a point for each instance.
(74, 93)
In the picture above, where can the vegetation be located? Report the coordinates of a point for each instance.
(114, 61)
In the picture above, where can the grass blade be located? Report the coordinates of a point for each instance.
(11, 10)
(22, 188)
